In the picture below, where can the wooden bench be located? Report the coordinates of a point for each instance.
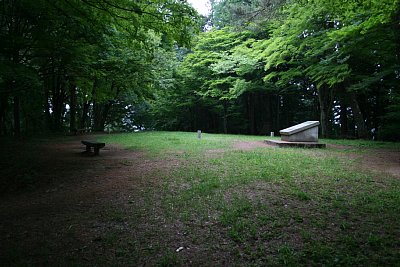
(96, 146)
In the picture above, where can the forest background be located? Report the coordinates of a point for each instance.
(250, 67)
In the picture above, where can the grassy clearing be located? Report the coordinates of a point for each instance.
(157, 143)
(271, 206)
(218, 203)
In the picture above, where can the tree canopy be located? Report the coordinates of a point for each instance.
(71, 61)
(264, 65)
(307, 60)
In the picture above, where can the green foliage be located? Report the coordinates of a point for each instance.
(242, 14)
(83, 53)
(217, 76)
(315, 56)
(265, 65)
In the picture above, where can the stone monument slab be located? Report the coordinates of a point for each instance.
(303, 132)
(303, 135)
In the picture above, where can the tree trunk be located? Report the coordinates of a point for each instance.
(3, 110)
(343, 118)
(84, 117)
(17, 118)
(106, 111)
(100, 113)
(59, 97)
(343, 115)
(323, 119)
(278, 123)
(325, 104)
(72, 106)
(251, 113)
(46, 104)
(358, 117)
(267, 127)
(96, 116)
(225, 117)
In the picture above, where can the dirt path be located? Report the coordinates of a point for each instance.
(382, 161)
(249, 145)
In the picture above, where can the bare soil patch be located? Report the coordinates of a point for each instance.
(376, 160)
(249, 145)
(72, 201)
(387, 161)
(382, 160)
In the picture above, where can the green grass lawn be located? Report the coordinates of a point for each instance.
(271, 206)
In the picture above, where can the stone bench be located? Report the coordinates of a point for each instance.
(96, 146)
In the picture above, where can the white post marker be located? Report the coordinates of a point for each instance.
(199, 134)
(272, 134)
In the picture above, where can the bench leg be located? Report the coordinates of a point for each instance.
(96, 151)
